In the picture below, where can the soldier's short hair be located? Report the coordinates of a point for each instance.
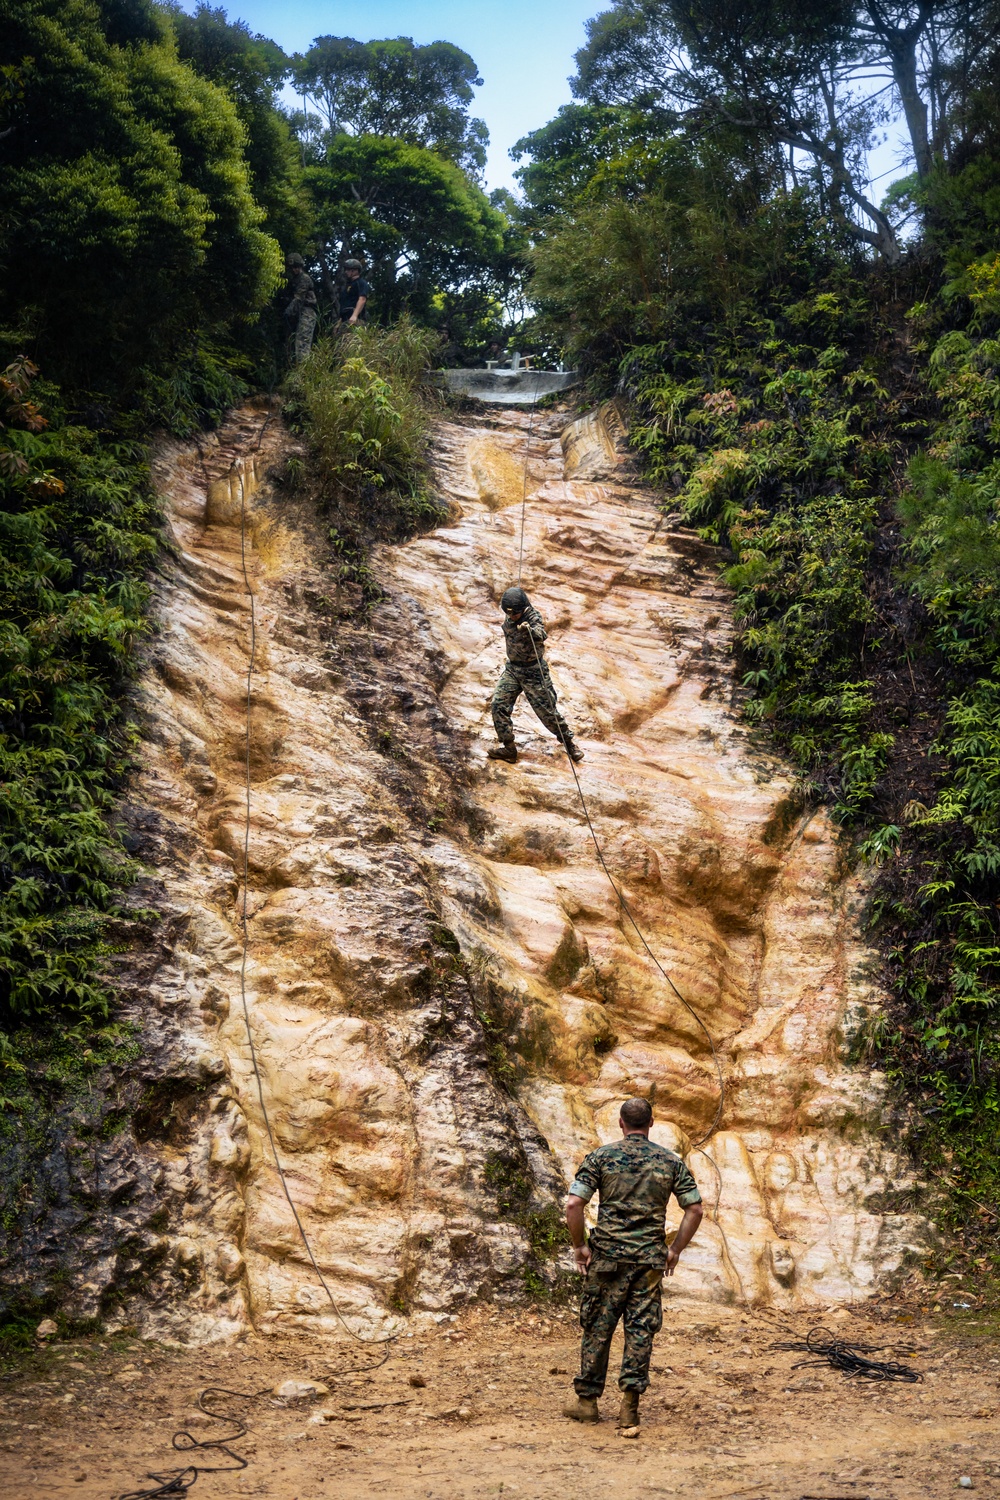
(637, 1113)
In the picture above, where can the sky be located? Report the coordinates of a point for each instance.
(524, 49)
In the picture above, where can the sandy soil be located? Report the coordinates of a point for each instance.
(723, 1417)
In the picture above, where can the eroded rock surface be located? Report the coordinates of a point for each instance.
(446, 1002)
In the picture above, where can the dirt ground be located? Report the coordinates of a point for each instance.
(471, 1407)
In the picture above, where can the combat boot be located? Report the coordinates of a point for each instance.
(628, 1413)
(573, 751)
(583, 1409)
(507, 751)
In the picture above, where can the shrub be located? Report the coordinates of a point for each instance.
(360, 400)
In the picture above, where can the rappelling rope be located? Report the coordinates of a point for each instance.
(177, 1482)
(244, 932)
(524, 486)
(627, 910)
(620, 896)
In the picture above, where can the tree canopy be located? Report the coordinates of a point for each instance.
(251, 69)
(416, 219)
(393, 88)
(129, 220)
(819, 80)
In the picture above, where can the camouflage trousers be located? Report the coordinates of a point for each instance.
(304, 330)
(536, 685)
(618, 1290)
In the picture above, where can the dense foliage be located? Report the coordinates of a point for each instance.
(420, 95)
(130, 240)
(76, 531)
(831, 415)
(365, 411)
(393, 159)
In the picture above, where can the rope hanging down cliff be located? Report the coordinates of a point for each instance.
(245, 938)
(177, 1482)
(697, 1145)
(619, 894)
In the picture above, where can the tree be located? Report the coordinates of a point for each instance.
(129, 223)
(392, 88)
(566, 155)
(765, 66)
(251, 69)
(665, 241)
(416, 219)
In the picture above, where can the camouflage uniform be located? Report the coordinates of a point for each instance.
(527, 672)
(302, 311)
(635, 1178)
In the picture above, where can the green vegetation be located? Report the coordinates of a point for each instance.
(392, 163)
(360, 399)
(815, 384)
(510, 1181)
(152, 184)
(361, 403)
(131, 242)
(76, 529)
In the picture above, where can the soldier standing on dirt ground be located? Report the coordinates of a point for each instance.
(354, 296)
(526, 671)
(627, 1256)
(301, 311)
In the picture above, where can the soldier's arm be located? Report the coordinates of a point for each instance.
(685, 1234)
(577, 1232)
(532, 623)
(686, 1192)
(583, 1187)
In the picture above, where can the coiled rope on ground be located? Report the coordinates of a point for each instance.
(850, 1359)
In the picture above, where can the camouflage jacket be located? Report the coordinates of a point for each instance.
(303, 293)
(635, 1178)
(518, 642)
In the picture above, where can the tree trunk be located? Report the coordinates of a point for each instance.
(904, 72)
(900, 43)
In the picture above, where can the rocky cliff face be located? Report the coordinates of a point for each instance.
(446, 1003)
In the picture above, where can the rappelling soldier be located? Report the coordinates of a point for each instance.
(526, 671)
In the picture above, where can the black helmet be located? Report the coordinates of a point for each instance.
(514, 601)
(353, 265)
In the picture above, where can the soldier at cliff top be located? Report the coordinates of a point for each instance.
(526, 672)
(301, 311)
(627, 1256)
(354, 296)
